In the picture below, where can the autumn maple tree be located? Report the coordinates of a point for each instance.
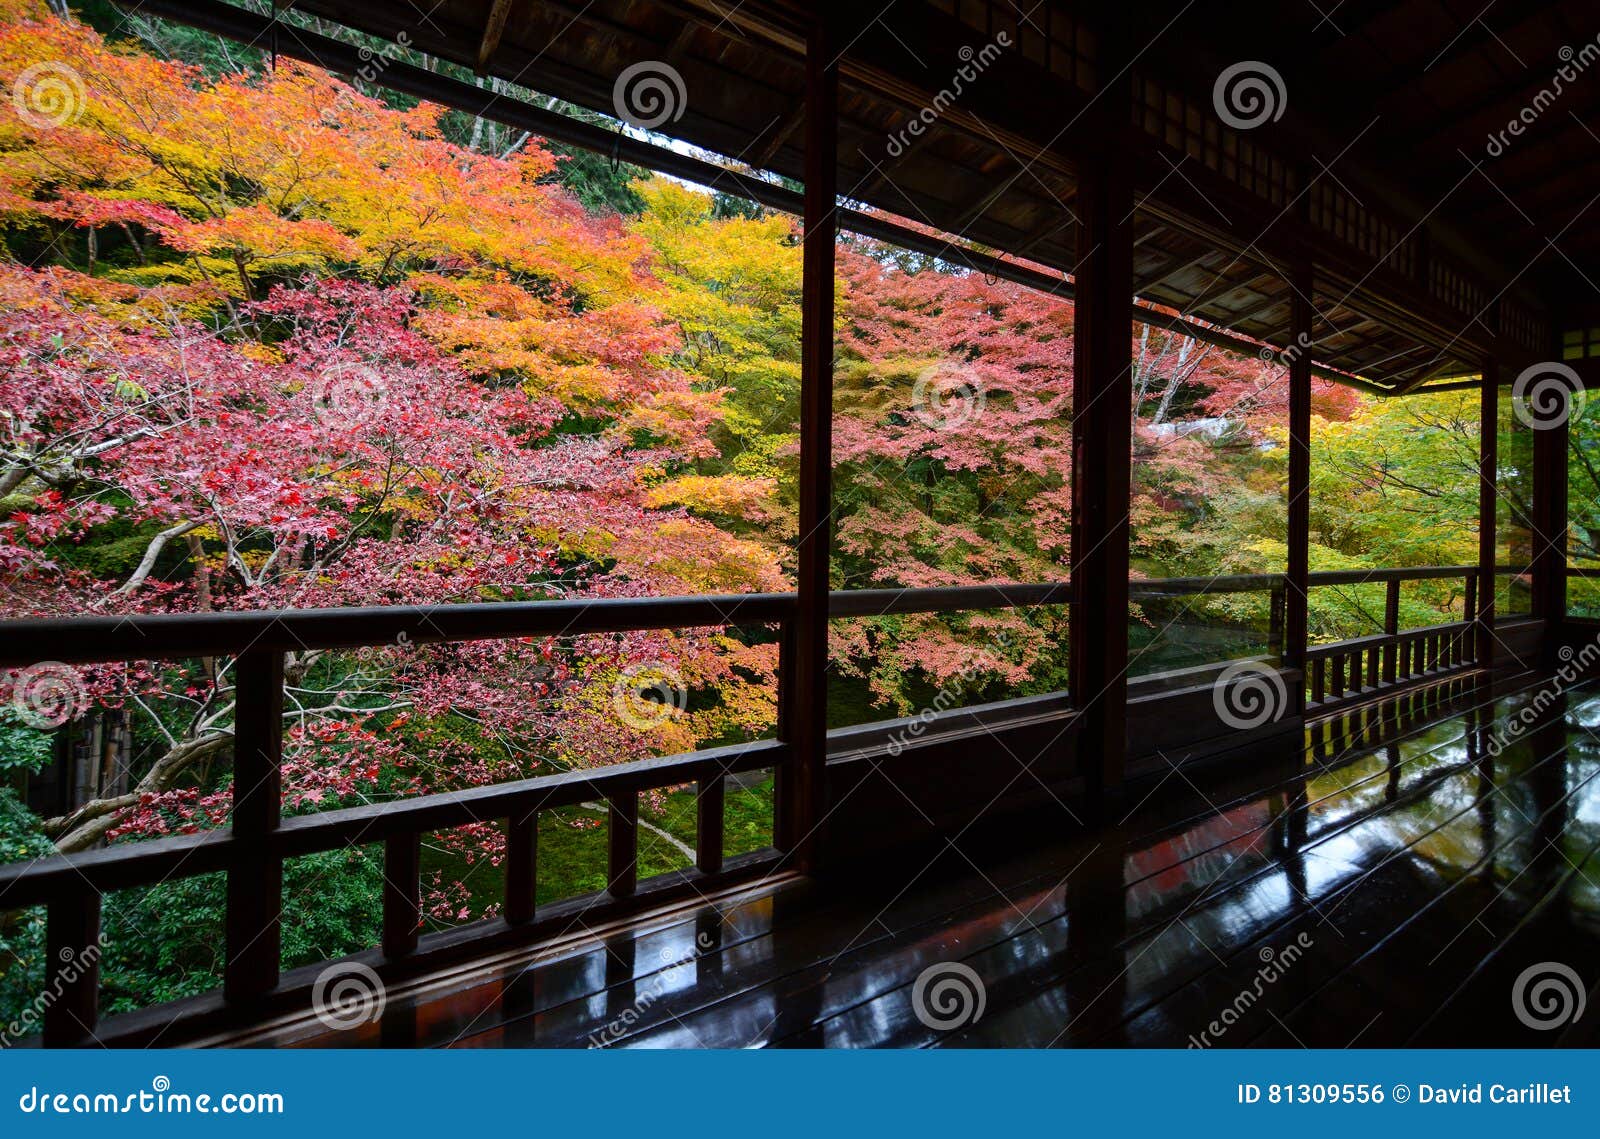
(269, 340)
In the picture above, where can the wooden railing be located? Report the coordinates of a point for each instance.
(253, 850)
(1347, 671)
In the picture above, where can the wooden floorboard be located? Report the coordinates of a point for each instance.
(1394, 877)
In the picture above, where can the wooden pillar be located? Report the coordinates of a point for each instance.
(1102, 418)
(255, 881)
(1488, 477)
(1298, 531)
(72, 961)
(1550, 532)
(402, 894)
(801, 806)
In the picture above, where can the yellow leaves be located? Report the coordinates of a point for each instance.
(716, 494)
(259, 352)
(257, 234)
(699, 558)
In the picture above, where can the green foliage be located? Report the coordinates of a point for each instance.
(165, 942)
(23, 747)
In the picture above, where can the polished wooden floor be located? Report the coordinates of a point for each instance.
(1386, 885)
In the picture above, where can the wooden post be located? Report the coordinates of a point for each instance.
(1488, 505)
(255, 880)
(522, 866)
(806, 686)
(1550, 533)
(402, 894)
(1102, 417)
(622, 843)
(72, 962)
(708, 829)
(1297, 581)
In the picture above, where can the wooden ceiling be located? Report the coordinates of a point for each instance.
(1431, 251)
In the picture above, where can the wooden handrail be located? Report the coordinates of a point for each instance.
(182, 856)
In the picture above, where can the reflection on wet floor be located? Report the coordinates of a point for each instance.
(1391, 886)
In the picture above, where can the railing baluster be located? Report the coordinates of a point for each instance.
(783, 836)
(623, 843)
(72, 944)
(708, 823)
(255, 880)
(402, 894)
(522, 867)
(1275, 620)
(1319, 680)
(1472, 616)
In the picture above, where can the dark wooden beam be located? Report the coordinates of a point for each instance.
(253, 934)
(1102, 439)
(1550, 530)
(805, 717)
(1297, 578)
(1488, 473)
(72, 964)
(782, 131)
(493, 28)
